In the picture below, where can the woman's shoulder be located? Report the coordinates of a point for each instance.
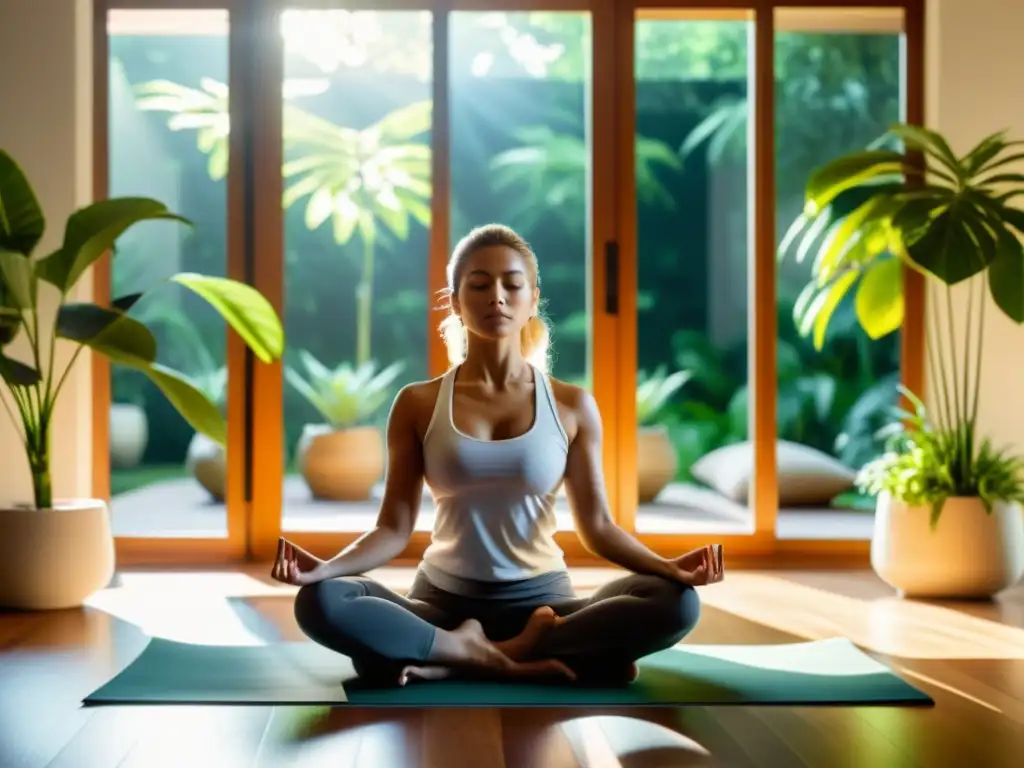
(418, 396)
(576, 407)
(571, 396)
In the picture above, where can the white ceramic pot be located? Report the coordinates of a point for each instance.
(54, 558)
(969, 555)
(207, 463)
(129, 434)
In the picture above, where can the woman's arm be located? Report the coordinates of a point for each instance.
(584, 485)
(403, 492)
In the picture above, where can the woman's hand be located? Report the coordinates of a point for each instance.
(295, 566)
(698, 568)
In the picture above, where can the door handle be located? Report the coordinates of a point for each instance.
(611, 277)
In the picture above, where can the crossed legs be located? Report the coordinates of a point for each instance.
(598, 637)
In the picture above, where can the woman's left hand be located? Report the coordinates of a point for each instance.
(698, 568)
(295, 566)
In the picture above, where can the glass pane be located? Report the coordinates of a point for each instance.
(357, 120)
(168, 140)
(693, 170)
(521, 156)
(838, 88)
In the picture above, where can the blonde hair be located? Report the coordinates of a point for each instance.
(535, 337)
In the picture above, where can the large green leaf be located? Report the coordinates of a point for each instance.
(850, 231)
(821, 305)
(17, 374)
(850, 171)
(93, 230)
(930, 142)
(1006, 277)
(1013, 216)
(984, 151)
(244, 308)
(10, 320)
(119, 337)
(879, 298)
(955, 245)
(21, 219)
(19, 277)
(194, 406)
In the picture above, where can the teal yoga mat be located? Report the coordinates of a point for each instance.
(823, 672)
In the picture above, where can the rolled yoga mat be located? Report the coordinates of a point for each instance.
(823, 672)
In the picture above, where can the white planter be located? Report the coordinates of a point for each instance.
(129, 434)
(970, 555)
(54, 558)
(207, 463)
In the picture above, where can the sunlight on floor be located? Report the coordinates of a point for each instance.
(932, 681)
(605, 741)
(889, 625)
(186, 608)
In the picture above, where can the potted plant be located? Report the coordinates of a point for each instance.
(948, 519)
(75, 533)
(343, 458)
(657, 462)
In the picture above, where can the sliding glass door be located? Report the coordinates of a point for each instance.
(400, 129)
(652, 153)
(163, 133)
(749, 424)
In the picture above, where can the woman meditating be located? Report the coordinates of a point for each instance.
(493, 439)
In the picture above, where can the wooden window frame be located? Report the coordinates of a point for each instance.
(255, 242)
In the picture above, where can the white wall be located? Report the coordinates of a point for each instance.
(975, 56)
(45, 124)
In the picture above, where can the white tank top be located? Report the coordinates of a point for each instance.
(495, 499)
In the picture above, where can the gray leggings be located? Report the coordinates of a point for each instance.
(602, 635)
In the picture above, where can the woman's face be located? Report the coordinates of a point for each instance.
(495, 296)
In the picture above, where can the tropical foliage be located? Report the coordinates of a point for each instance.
(90, 232)
(951, 218)
(366, 181)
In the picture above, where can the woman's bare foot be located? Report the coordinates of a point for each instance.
(540, 623)
(468, 647)
(414, 672)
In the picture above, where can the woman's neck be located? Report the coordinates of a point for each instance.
(495, 363)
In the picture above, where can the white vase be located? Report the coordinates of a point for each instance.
(54, 558)
(129, 434)
(970, 554)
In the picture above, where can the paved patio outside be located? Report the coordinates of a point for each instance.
(182, 508)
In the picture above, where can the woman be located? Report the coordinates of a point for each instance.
(493, 439)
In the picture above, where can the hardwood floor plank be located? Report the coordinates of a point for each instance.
(461, 738)
(534, 737)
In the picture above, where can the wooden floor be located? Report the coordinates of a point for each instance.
(969, 657)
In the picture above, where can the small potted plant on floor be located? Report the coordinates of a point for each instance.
(343, 458)
(54, 552)
(657, 462)
(948, 520)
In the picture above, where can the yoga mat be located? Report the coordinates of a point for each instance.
(823, 672)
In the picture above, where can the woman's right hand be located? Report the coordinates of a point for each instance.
(295, 566)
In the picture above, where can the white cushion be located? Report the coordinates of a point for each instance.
(807, 477)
